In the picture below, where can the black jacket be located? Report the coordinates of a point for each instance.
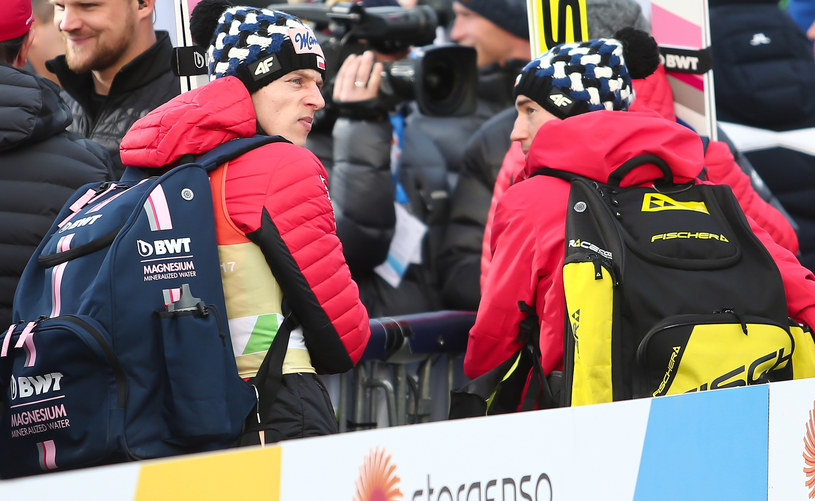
(764, 75)
(363, 193)
(41, 165)
(143, 84)
(460, 254)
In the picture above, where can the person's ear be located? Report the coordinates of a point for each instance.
(22, 56)
(146, 8)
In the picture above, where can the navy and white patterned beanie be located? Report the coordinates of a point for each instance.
(253, 44)
(575, 78)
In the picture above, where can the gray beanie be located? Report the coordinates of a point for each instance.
(606, 17)
(507, 14)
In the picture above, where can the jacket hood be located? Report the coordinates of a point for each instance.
(190, 124)
(597, 143)
(30, 107)
(654, 93)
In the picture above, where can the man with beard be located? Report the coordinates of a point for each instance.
(41, 165)
(116, 67)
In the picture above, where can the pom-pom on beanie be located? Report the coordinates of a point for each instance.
(255, 45)
(575, 78)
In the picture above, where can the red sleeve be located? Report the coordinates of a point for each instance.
(513, 163)
(723, 169)
(527, 245)
(290, 185)
(799, 282)
(493, 337)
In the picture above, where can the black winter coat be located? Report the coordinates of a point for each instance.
(460, 254)
(140, 86)
(362, 190)
(764, 76)
(41, 165)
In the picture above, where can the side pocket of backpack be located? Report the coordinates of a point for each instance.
(589, 286)
(689, 353)
(803, 358)
(63, 400)
(198, 403)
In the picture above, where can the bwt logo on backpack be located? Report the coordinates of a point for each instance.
(27, 386)
(85, 221)
(162, 247)
(110, 362)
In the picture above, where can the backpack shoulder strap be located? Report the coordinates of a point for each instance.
(560, 174)
(618, 174)
(233, 149)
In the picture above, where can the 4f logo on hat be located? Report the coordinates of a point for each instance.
(263, 67)
(560, 100)
(562, 103)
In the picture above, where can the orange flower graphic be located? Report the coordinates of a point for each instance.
(377, 479)
(809, 455)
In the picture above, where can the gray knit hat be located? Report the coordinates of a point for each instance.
(508, 14)
(255, 45)
(575, 78)
(606, 17)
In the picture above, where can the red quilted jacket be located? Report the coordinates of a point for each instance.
(278, 196)
(528, 229)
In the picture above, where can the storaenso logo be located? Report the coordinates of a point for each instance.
(378, 480)
(27, 386)
(504, 489)
(163, 247)
(809, 454)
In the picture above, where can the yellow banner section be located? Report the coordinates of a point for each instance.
(553, 22)
(244, 474)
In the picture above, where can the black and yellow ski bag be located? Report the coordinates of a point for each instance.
(669, 291)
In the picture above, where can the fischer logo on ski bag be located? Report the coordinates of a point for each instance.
(121, 349)
(667, 291)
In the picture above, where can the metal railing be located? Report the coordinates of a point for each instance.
(407, 370)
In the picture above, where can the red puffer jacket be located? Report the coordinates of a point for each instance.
(278, 196)
(528, 230)
(654, 94)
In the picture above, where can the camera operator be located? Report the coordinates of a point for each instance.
(394, 259)
(461, 256)
(368, 188)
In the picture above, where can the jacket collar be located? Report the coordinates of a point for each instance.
(146, 67)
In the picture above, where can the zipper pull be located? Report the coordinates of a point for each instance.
(730, 311)
(261, 433)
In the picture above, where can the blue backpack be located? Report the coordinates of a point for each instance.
(121, 349)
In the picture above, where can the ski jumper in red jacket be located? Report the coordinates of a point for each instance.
(280, 255)
(528, 232)
(574, 115)
(654, 93)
